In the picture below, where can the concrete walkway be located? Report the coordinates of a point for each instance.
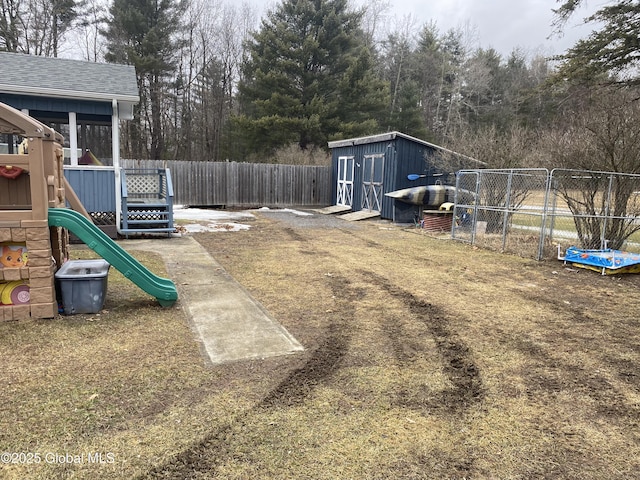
(230, 324)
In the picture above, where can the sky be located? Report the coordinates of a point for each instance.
(500, 24)
(504, 24)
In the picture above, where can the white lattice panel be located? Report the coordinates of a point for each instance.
(142, 184)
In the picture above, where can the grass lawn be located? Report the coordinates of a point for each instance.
(425, 358)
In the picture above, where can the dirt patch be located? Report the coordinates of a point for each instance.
(321, 364)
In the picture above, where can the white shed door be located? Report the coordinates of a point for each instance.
(372, 182)
(345, 181)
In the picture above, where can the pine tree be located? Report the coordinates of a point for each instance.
(143, 33)
(308, 78)
(612, 52)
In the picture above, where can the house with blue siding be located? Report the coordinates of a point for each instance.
(73, 96)
(366, 168)
(76, 97)
(72, 93)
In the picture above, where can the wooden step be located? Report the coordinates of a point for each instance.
(146, 222)
(147, 206)
(146, 230)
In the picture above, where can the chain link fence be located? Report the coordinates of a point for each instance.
(532, 212)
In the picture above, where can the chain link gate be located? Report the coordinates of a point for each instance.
(502, 210)
(595, 210)
(533, 212)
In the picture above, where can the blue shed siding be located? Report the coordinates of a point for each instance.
(402, 156)
(359, 152)
(94, 187)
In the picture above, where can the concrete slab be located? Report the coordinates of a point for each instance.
(229, 322)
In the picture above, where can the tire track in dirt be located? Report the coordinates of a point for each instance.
(457, 360)
(293, 235)
(206, 456)
(325, 360)
(549, 376)
(553, 378)
(458, 364)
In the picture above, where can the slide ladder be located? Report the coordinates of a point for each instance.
(163, 289)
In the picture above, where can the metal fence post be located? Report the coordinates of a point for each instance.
(545, 212)
(507, 205)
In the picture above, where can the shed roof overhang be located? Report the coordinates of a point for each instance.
(382, 137)
(389, 136)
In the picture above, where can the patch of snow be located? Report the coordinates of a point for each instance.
(219, 220)
(215, 227)
(185, 213)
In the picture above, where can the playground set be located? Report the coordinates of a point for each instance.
(35, 224)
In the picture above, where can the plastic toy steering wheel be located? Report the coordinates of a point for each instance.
(8, 171)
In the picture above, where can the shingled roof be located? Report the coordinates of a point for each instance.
(62, 78)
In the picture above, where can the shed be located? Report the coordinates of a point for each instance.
(366, 168)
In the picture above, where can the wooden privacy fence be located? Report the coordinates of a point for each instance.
(234, 184)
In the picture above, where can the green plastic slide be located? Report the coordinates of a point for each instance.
(163, 289)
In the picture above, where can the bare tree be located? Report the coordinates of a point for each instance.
(11, 27)
(36, 27)
(87, 32)
(498, 150)
(204, 88)
(373, 21)
(601, 134)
